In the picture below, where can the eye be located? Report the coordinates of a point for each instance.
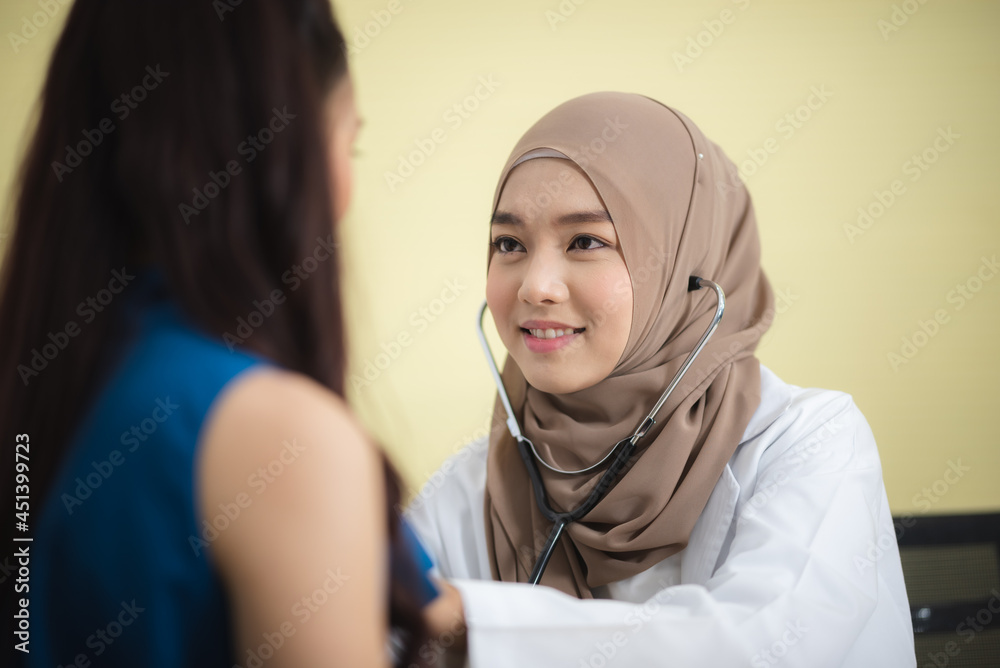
(585, 242)
(505, 245)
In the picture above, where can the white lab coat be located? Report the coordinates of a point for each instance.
(793, 562)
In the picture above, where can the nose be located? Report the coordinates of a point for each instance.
(544, 282)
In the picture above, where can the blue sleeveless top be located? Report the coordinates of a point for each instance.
(120, 570)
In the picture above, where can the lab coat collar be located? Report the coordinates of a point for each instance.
(776, 397)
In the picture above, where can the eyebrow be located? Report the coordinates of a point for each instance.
(594, 216)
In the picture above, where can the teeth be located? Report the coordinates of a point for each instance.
(549, 333)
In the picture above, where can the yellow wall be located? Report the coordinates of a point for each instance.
(852, 293)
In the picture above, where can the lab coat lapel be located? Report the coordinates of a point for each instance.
(709, 533)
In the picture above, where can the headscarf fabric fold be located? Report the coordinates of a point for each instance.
(679, 209)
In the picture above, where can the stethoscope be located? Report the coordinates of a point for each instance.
(619, 454)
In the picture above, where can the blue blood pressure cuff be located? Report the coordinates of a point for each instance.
(414, 566)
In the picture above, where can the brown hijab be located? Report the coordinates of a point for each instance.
(679, 210)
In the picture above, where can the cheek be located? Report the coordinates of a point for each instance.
(345, 186)
(611, 304)
(343, 177)
(502, 284)
(497, 290)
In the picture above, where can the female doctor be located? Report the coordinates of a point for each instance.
(748, 524)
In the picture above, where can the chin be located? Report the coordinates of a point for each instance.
(554, 384)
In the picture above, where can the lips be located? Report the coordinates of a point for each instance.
(545, 336)
(551, 333)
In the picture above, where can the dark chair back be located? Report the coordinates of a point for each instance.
(952, 568)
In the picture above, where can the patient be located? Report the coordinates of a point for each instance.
(200, 493)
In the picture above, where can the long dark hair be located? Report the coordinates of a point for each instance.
(157, 144)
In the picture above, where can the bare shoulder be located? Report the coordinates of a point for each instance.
(270, 412)
(301, 488)
(272, 429)
(271, 398)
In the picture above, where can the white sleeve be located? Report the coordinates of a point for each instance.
(795, 586)
(447, 514)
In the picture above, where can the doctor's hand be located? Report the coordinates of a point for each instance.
(445, 618)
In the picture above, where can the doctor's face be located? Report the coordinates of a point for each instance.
(557, 285)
